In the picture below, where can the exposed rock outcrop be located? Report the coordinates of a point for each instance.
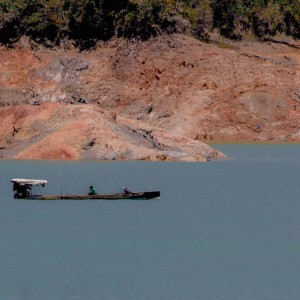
(60, 131)
(146, 100)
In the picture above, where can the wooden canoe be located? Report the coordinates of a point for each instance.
(118, 196)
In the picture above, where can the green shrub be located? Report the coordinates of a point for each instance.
(87, 21)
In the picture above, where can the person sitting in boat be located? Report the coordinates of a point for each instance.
(126, 190)
(92, 191)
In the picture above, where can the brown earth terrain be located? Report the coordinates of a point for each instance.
(157, 100)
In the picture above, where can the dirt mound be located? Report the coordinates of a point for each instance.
(60, 131)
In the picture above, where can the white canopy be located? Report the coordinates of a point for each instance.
(23, 181)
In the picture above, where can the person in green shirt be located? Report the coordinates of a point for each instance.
(92, 191)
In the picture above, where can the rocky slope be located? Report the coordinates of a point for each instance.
(60, 131)
(157, 100)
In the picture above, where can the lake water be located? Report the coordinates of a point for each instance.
(220, 230)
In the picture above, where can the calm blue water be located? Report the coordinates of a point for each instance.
(221, 230)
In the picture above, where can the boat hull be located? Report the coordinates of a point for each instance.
(118, 196)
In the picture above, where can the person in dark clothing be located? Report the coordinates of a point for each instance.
(126, 190)
(92, 191)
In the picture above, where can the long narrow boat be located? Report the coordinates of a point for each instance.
(117, 196)
(23, 190)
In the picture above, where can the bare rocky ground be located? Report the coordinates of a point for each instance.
(157, 100)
